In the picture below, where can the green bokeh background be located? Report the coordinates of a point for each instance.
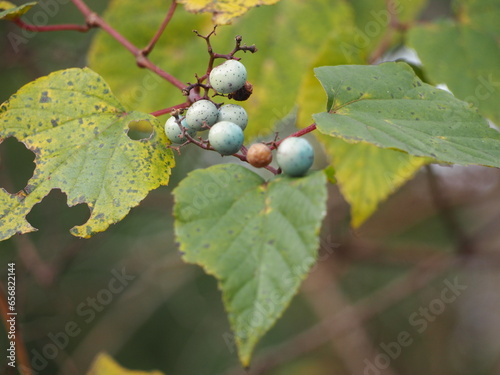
(171, 318)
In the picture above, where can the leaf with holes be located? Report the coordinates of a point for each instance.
(259, 239)
(9, 11)
(78, 132)
(224, 11)
(105, 365)
(389, 106)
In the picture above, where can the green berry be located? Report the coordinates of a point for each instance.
(226, 137)
(295, 156)
(228, 77)
(234, 113)
(174, 132)
(203, 112)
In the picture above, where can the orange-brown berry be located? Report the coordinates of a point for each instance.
(259, 155)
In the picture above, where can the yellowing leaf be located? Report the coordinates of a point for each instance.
(104, 364)
(9, 11)
(224, 11)
(78, 132)
(366, 174)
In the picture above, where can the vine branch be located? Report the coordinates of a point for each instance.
(147, 50)
(393, 25)
(94, 20)
(64, 27)
(299, 133)
(449, 219)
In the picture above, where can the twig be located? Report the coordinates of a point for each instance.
(28, 253)
(324, 294)
(147, 50)
(366, 308)
(299, 133)
(392, 26)
(63, 27)
(94, 19)
(21, 351)
(455, 230)
(170, 109)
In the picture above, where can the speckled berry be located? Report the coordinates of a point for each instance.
(203, 112)
(295, 156)
(228, 77)
(234, 113)
(174, 132)
(226, 137)
(259, 155)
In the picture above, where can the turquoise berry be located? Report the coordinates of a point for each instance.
(295, 156)
(228, 77)
(226, 137)
(174, 132)
(234, 113)
(203, 112)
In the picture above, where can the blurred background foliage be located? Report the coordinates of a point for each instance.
(363, 293)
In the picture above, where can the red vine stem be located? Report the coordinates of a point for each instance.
(146, 50)
(94, 19)
(299, 133)
(166, 111)
(63, 27)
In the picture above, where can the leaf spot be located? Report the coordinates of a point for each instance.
(45, 98)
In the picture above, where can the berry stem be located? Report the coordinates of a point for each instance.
(94, 20)
(147, 50)
(299, 133)
(165, 111)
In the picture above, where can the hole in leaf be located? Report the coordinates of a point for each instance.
(138, 130)
(52, 216)
(16, 165)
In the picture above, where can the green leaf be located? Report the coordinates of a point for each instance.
(464, 58)
(104, 364)
(366, 174)
(259, 239)
(389, 106)
(480, 14)
(78, 132)
(224, 11)
(9, 11)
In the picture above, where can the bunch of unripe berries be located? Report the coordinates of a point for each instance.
(225, 125)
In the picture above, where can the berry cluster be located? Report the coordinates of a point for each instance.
(226, 123)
